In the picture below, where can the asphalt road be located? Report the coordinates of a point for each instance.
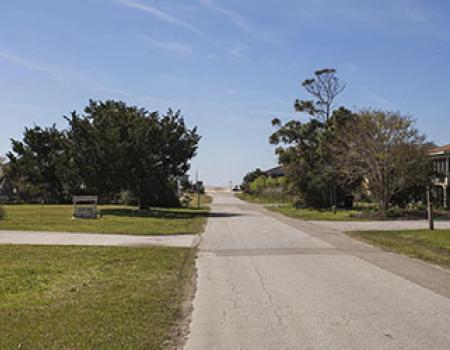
(265, 283)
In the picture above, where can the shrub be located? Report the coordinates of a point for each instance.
(268, 187)
(185, 201)
(126, 197)
(395, 212)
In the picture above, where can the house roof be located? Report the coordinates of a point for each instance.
(277, 171)
(440, 150)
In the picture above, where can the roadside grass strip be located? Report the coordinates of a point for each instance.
(54, 297)
(114, 219)
(431, 246)
(315, 214)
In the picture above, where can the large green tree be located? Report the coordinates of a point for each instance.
(250, 177)
(119, 147)
(39, 166)
(388, 152)
(304, 147)
(307, 153)
(110, 148)
(101, 145)
(162, 148)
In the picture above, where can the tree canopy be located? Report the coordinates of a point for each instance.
(324, 87)
(250, 177)
(39, 166)
(387, 151)
(304, 147)
(111, 148)
(338, 151)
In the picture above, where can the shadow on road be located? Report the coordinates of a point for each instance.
(222, 215)
(181, 213)
(156, 213)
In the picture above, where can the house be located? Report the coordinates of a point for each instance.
(275, 172)
(441, 165)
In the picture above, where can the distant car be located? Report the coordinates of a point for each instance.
(236, 189)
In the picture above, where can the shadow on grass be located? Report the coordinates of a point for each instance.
(181, 213)
(155, 213)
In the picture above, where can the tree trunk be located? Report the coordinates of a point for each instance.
(144, 204)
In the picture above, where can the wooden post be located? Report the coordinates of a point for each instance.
(430, 209)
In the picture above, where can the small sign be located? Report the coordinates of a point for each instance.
(85, 207)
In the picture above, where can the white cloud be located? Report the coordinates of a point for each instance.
(235, 17)
(238, 51)
(172, 46)
(57, 73)
(242, 23)
(163, 16)
(8, 56)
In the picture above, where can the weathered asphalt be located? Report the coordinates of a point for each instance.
(270, 282)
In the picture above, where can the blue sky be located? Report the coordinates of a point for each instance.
(230, 66)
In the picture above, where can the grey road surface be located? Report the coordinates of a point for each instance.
(65, 238)
(264, 283)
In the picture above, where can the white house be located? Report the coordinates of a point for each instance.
(441, 165)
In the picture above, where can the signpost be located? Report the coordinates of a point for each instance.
(430, 209)
(85, 207)
(197, 186)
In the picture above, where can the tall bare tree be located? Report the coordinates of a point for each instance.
(386, 150)
(324, 87)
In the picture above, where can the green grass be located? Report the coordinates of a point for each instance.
(432, 246)
(255, 199)
(114, 219)
(316, 214)
(301, 213)
(204, 200)
(54, 297)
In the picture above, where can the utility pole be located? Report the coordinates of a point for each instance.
(198, 189)
(430, 209)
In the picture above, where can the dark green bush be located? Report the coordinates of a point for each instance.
(395, 212)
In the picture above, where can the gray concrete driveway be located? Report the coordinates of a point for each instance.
(345, 226)
(266, 283)
(65, 238)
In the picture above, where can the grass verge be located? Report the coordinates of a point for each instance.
(114, 219)
(255, 199)
(301, 213)
(316, 214)
(54, 297)
(431, 246)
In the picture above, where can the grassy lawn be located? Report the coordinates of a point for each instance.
(432, 246)
(315, 214)
(54, 297)
(301, 213)
(114, 219)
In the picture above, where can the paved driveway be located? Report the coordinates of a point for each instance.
(59, 238)
(380, 225)
(264, 283)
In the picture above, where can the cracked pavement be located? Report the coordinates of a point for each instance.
(266, 282)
